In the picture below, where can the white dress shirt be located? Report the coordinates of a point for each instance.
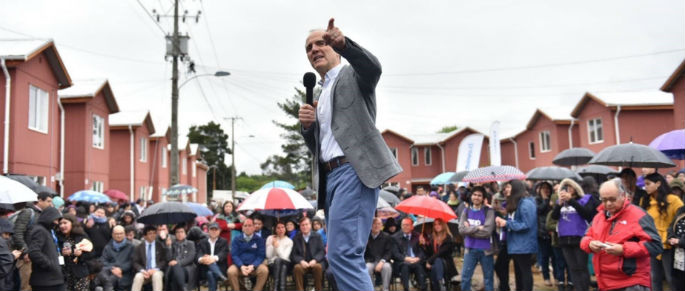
(329, 146)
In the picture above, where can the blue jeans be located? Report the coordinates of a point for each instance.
(471, 258)
(544, 254)
(350, 207)
(213, 272)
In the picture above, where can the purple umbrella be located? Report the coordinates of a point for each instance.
(672, 144)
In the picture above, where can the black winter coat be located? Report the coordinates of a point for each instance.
(45, 267)
(122, 259)
(100, 235)
(444, 252)
(79, 268)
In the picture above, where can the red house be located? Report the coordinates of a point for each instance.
(87, 106)
(130, 154)
(159, 145)
(676, 85)
(423, 157)
(30, 135)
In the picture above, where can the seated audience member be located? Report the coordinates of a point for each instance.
(248, 252)
(260, 230)
(150, 261)
(182, 269)
(117, 270)
(213, 256)
(318, 226)
(308, 255)
(409, 257)
(438, 251)
(131, 235)
(378, 252)
(278, 249)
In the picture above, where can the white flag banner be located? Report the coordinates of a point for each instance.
(469, 152)
(495, 152)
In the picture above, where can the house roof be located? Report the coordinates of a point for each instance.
(652, 99)
(83, 91)
(16, 51)
(133, 118)
(558, 115)
(430, 138)
(673, 79)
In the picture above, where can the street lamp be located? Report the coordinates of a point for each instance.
(174, 121)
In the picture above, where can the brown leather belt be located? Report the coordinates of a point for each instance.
(334, 163)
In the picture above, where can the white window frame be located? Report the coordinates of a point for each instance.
(141, 192)
(143, 149)
(531, 150)
(164, 157)
(395, 153)
(427, 156)
(414, 156)
(184, 166)
(39, 109)
(592, 131)
(545, 143)
(98, 186)
(98, 132)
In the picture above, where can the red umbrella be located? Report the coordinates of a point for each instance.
(116, 194)
(427, 206)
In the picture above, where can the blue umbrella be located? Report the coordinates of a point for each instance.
(180, 189)
(278, 184)
(442, 179)
(89, 196)
(200, 209)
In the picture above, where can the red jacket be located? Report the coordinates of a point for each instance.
(635, 230)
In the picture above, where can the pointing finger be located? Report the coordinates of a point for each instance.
(331, 24)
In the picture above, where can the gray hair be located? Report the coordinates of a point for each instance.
(618, 183)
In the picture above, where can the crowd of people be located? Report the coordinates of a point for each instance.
(631, 228)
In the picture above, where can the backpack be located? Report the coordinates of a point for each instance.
(32, 220)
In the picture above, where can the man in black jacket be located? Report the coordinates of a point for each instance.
(259, 228)
(213, 256)
(150, 261)
(308, 254)
(181, 274)
(46, 270)
(408, 255)
(117, 271)
(378, 252)
(8, 257)
(25, 219)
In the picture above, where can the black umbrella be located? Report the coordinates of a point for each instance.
(573, 157)
(308, 193)
(389, 197)
(551, 173)
(632, 155)
(595, 170)
(31, 184)
(392, 189)
(458, 176)
(453, 225)
(167, 213)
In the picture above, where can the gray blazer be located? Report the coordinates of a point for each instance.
(353, 122)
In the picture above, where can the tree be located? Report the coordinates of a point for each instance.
(449, 128)
(214, 146)
(294, 165)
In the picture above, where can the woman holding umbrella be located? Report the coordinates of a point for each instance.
(438, 248)
(71, 236)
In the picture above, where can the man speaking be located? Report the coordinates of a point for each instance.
(352, 158)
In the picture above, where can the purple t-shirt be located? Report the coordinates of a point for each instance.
(476, 218)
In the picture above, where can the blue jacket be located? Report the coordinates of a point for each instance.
(522, 230)
(244, 253)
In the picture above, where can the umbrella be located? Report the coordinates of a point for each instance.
(551, 173)
(442, 178)
(632, 155)
(573, 157)
(389, 197)
(427, 206)
(32, 184)
(278, 184)
(458, 176)
(116, 194)
(200, 209)
(308, 192)
(672, 144)
(494, 174)
(595, 170)
(12, 192)
(392, 189)
(384, 210)
(167, 213)
(275, 199)
(453, 224)
(89, 196)
(180, 189)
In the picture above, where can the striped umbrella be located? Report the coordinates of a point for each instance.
(494, 174)
(180, 189)
(89, 196)
(275, 199)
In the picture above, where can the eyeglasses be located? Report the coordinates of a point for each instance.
(608, 199)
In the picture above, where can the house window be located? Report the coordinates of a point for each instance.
(194, 170)
(164, 154)
(595, 130)
(98, 186)
(427, 155)
(39, 102)
(98, 132)
(143, 149)
(141, 192)
(394, 153)
(184, 167)
(531, 150)
(545, 142)
(414, 156)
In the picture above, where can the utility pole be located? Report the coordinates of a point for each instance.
(233, 119)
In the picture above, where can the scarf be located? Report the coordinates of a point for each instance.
(118, 245)
(98, 219)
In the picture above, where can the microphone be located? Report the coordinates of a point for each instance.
(309, 79)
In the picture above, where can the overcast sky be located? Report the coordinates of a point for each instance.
(464, 63)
